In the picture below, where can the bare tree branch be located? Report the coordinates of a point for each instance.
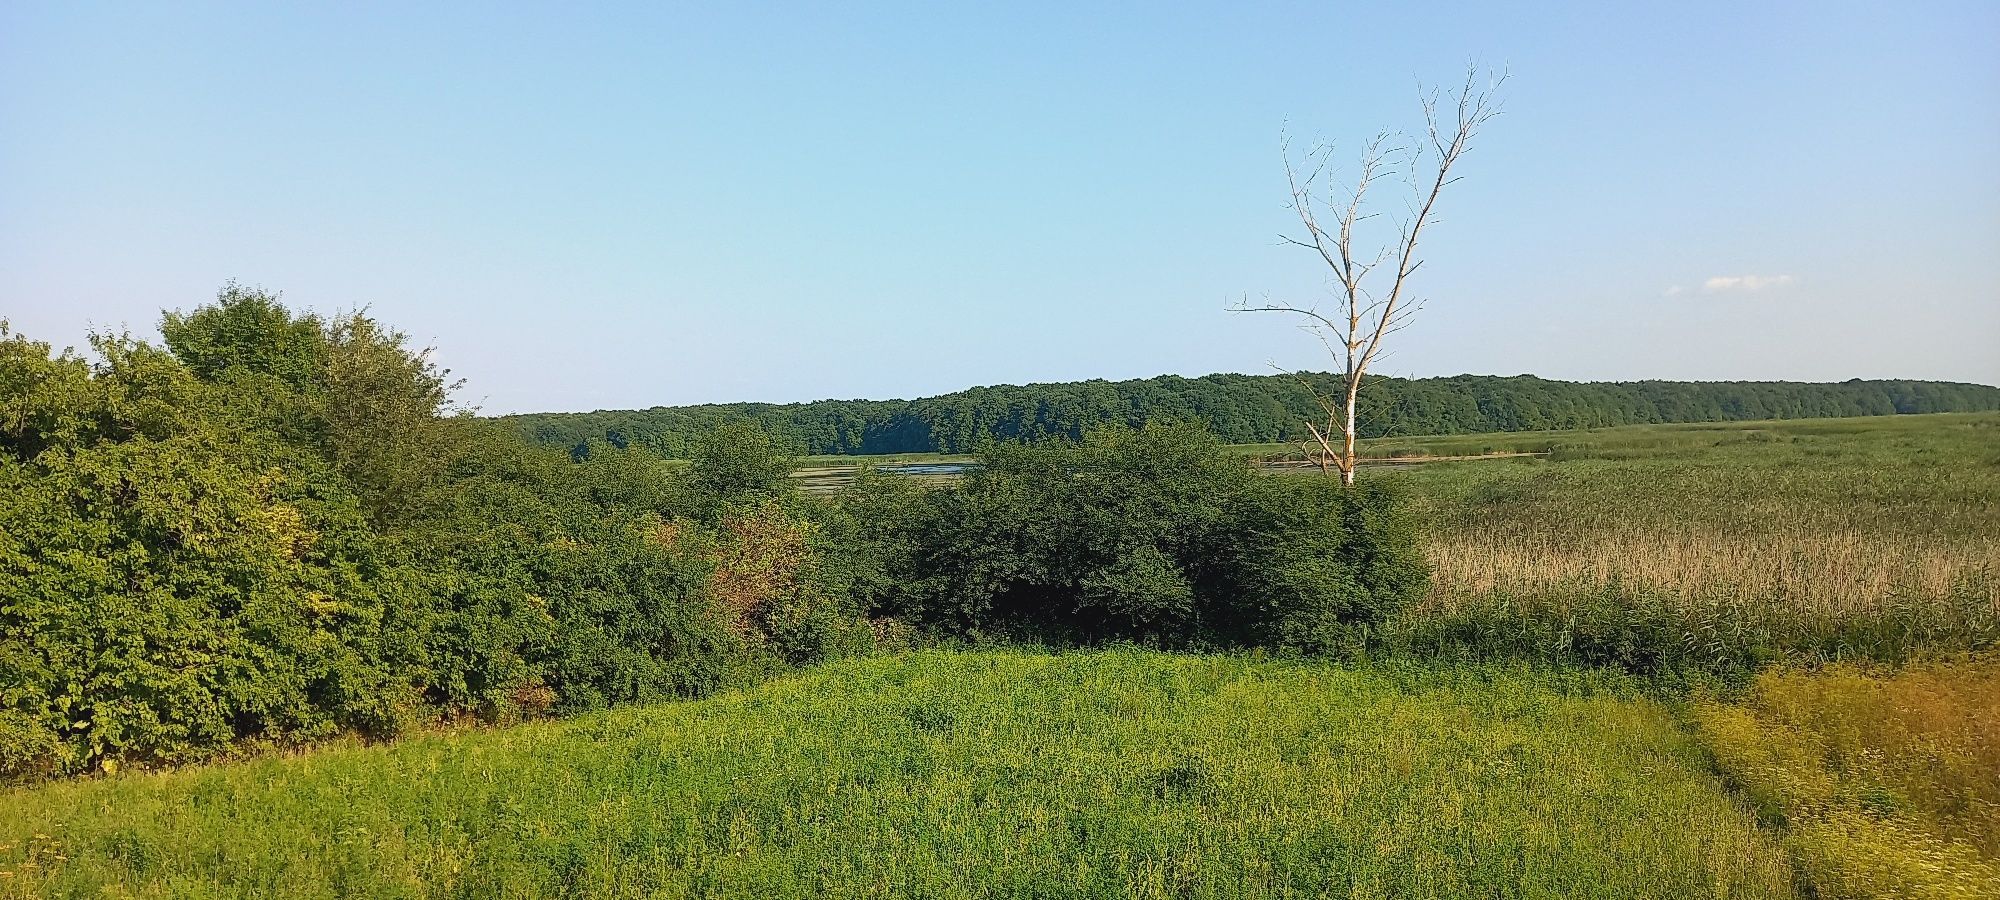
(1353, 334)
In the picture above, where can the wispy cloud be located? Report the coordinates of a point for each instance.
(1722, 283)
(1733, 285)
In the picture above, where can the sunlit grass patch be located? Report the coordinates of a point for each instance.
(1887, 784)
(1112, 774)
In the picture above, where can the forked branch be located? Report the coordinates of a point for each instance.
(1353, 331)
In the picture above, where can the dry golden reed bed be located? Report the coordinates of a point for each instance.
(1855, 537)
(1837, 571)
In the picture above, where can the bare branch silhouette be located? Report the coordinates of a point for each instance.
(1354, 331)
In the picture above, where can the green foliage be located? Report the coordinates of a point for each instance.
(546, 584)
(1116, 774)
(1245, 409)
(162, 595)
(383, 406)
(1155, 535)
(250, 331)
(348, 389)
(1330, 567)
(738, 461)
(277, 532)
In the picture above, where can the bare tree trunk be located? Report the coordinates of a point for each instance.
(1354, 339)
(1348, 461)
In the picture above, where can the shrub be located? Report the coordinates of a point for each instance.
(1153, 535)
(1326, 566)
(279, 531)
(1649, 629)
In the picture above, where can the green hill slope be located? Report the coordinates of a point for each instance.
(1248, 409)
(1112, 774)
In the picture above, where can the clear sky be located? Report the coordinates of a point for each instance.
(588, 206)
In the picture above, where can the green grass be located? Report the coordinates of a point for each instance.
(1907, 474)
(1637, 441)
(941, 774)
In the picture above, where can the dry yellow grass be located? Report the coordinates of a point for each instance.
(1888, 783)
(1837, 571)
(1724, 546)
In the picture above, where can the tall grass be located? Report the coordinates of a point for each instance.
(1888, 784)
(1727, 545)
(1001, 774)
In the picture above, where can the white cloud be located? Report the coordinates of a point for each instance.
(1722, 283)
(1672, 291)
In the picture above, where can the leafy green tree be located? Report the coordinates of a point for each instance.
(385, 406)
(737, 461)
(250, 330)
(347, 388)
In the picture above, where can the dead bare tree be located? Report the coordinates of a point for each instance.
(1353, 332)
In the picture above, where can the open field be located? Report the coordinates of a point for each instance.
(881, 459)
(1112, 774)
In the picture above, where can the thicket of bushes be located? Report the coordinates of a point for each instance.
(1154, 536)
(276, 528)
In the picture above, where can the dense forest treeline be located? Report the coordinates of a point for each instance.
(1244, 409)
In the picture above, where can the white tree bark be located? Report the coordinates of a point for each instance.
(1353, 334)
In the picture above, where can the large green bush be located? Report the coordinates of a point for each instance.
(276, 529)
(1152, 535)
(165, 592)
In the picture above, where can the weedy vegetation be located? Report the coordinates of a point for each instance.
(962, 774)
(1886, 784)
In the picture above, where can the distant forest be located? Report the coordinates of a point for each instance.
(1242, 409)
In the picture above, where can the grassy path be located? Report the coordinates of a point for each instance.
(1113, 774)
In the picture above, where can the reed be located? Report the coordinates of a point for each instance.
(1724, 546)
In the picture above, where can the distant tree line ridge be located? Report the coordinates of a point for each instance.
(1244, 409)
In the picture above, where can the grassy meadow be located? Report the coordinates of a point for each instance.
(1828, 512)
(960, 774)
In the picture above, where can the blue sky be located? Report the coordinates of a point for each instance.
(623, 206)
